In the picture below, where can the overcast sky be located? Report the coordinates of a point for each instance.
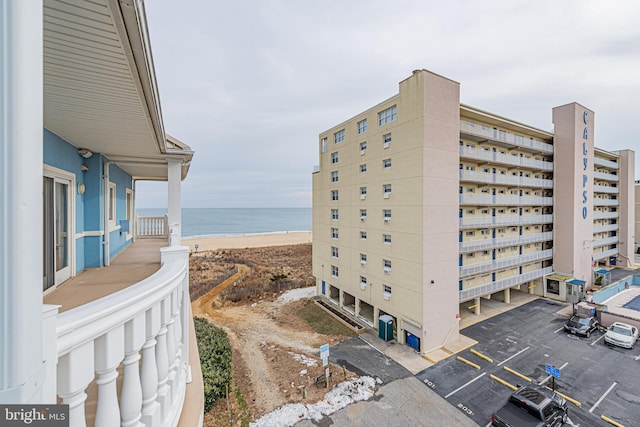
(249, 85)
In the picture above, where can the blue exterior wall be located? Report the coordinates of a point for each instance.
(89, 206)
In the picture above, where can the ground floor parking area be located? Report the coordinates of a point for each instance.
(516, 346)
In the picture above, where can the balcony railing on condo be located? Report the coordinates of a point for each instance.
(493, 221)
(152, 227)
(605, 202)
(498, 285)
(503, 136)
(503, 200)
(605, 215)
(605, 189)
(606, 241)
(605, 163)
(151, 317)
(510, 180)
(478, 245)
(605, 254)
(606, 176)
(606, 227)
(497, 264)
(505, 159)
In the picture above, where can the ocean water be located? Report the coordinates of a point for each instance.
(215, 222)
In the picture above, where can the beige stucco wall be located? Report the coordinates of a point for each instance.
(572, 232)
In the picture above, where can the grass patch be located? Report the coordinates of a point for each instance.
(321, 321)
(215, 359)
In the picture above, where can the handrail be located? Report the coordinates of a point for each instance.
(152, 226)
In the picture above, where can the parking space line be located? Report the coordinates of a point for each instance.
(480, 355)
(464, 385)
(511, 357)
(517, 374)
(595, 405)
(575, 402)
(601, 336)
(503, 382)
(462, 359)
(610, 421)
(558, 330)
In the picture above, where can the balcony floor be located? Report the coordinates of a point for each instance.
(138, 261)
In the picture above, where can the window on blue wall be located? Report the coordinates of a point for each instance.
(112, 203)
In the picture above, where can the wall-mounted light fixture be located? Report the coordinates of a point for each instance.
(81, 188)
(85, 153)
(84, 168)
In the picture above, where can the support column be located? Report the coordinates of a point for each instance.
(21, 119)
(476, 309)
(507, 296)
(175, 201)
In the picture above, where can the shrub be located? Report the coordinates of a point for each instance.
(215, 360)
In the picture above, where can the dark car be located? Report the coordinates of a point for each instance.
(581, 325)
(532, 406)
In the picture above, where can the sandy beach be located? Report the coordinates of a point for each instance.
(248, 241)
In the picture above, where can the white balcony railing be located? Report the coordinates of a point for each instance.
(505, 159)
(606, 227)
(491, 221)
(478, 245)
(605, 241)
(476, 129)
(483, 267)
(605, 202)
(605, 215)
(605, 176)
(510, 180)
(605, 163)
(152, 227)
(504, 200)
(498, 285)
(151, 317)
(605, 189)
(605, 254)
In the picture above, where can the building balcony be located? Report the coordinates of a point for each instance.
(606, 176)
(606, 241)
(605, 189)
(605, 215)
(605, 163)
(501, 263)
(504, 159)
(494, 221)
(509, 180)
(124, 337)
(503, 200)
(605, 254)
(487, 244)
(485, 132)
(498, 285)
(606, 227)
(605, 202)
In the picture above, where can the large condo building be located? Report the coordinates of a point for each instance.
(421, 203)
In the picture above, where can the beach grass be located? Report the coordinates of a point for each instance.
(321, 321)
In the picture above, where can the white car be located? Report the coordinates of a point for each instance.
(621, 334)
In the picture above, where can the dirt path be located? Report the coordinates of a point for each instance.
(198, 306)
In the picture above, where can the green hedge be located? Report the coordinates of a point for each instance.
(215, 360)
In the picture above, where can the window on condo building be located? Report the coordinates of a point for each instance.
(386, 163)
(386, 289)
(386, 238)
(334, 271)
(386, 213)
(363, 280)
(386, 188)
(334, 176)
(334, 252)
(363, 191)
(363, 235)
(387, 116)
(334, 233)
(363, 214)
(362, 126)
(334, 157)
(386, 139)
(363, 168)
(334, 195)
(323, 145)
(363, 147)
(334, 214)
(338, 136)
(386, 265)
(363, 259)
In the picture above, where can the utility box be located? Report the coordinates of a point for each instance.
(385, 327)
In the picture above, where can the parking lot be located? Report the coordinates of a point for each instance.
(600, 380)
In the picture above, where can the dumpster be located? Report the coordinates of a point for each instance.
(413, 341)
(385, 327)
